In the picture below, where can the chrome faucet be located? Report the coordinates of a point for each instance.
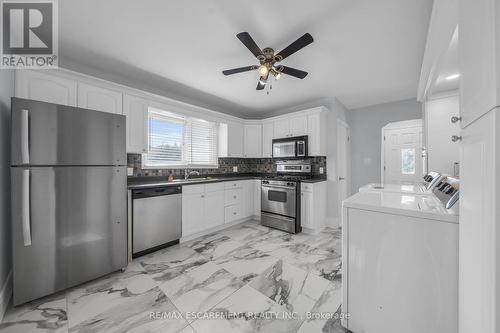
(188, 173)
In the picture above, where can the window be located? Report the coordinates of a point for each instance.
(176, 141)
(408, 161)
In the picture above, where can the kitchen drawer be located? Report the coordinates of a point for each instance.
(214, 187)
(233, 196)
(236, 184)
(232, 213)
(193, 189)
(306, 187)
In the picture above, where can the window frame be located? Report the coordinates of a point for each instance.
(186, 155)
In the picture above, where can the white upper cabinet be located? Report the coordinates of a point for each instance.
(99, 99)
(253, 140)
(316, 130)
(298, 125)
(234, 139)
(479, 58)
(267, 139)
(136, 111)
(43, 87)
(281, 128)
(290, 126)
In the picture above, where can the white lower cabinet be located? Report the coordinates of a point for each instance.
(257, 197)
(202, 207)
(193, 214)
(313, 206)
(237, 203)
(205, 206)
(233, 213)
(214, 209)
(478, 229)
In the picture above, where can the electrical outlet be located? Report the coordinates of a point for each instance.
(321, 170)
(130, 171)
(235, 169)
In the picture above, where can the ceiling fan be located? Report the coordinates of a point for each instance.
(268, 60)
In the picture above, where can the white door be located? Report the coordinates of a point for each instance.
(343, 162)
(402, 155)
(46, 88)
(234, 139)
(99, 99)
(267, 139)
(478, 243)
(306, 209)
(214, 209)
(298, 126)
(253, 140)
(136, 111)
(281, 128)
(193, 213)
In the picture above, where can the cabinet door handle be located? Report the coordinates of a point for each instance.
(234, 197)
(455, 119)
(456, 138)
(202, 195)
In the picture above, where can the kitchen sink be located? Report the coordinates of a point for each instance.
(203, 179)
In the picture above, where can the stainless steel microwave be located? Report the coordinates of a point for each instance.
(290, 147)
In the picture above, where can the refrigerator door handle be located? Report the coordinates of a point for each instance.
(26, 208)
(25, 137)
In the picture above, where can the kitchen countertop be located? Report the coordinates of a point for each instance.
(313, 180)
(140, 184)
(144, 182)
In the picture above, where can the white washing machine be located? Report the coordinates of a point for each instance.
(400, 261)
(424, 188)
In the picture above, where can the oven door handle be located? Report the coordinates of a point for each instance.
(278, 186)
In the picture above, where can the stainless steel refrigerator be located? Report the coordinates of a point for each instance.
(69, 196)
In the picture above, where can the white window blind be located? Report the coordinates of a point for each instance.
(201, 142)
(175, 141)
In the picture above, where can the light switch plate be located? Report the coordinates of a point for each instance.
(321, 170)
(235, 169)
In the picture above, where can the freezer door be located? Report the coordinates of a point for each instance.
(76, 228)
(52, 134)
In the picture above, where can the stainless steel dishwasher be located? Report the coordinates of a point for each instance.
(157, 218)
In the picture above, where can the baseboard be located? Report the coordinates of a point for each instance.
(5, 295)
(214, 229)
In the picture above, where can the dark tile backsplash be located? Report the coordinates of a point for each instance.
(226, 164)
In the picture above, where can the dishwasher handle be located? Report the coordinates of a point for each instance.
(156, 192)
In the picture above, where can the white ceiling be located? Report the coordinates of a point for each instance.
(365, 52)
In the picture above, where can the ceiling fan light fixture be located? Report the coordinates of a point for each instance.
(263, 70)
(278, 76)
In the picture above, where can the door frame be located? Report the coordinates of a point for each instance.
(347, 177)
(397, 125)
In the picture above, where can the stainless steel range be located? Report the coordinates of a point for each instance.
(281, 196)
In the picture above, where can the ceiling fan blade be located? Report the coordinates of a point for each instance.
(262, 83)
(300, 43)
(293, 72)
(239, 70)
(248, 41)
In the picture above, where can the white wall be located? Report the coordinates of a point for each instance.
(6, 92)
(442, 153)
(366, 125)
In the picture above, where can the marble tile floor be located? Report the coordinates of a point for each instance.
(247, 278)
